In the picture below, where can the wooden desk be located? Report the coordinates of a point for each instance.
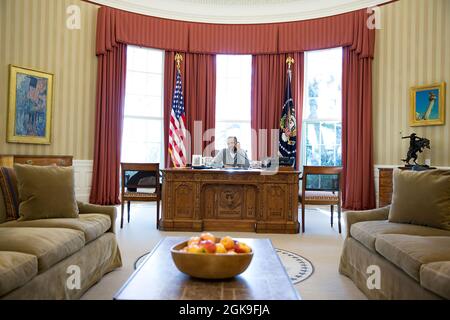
(229, 200)
(157, 278)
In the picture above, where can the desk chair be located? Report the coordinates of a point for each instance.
(140, 175)
(325, 191)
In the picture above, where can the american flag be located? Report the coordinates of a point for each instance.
(177, 130)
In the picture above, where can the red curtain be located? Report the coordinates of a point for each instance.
(111, 72)
(198, 73)
(267, 98)
(357, 148)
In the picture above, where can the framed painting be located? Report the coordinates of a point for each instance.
(30, 106)
(427, 105)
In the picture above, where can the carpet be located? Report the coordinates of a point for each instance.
(297, 267)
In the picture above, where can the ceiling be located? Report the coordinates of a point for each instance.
(240, 11)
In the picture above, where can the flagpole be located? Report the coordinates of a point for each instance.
(290, 61)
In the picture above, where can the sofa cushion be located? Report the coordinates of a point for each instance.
(366, 232)
(421, 198)
(92, 225)
(435, 277)
(409, 253)
(16, 269)
(49, 245)
(46, 192)
(10, 194)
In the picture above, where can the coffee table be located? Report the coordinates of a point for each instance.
(157, 278)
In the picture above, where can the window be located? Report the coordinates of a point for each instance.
(322, 112)
(233, 100)
(142, 139)
(323, 104)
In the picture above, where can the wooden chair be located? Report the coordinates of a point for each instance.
(322, 195)
(140, 175)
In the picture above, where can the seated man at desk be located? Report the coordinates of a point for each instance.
(232, 156)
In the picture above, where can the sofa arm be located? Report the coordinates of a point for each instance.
(94, 208)
(353, 217)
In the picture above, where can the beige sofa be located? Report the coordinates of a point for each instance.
(413, 260)
(39, 258)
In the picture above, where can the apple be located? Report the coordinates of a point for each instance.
(193, 240)
(208, 236)
(220, 248)
(227, 242)
(231, 251)
(209, 246)
(241, 247)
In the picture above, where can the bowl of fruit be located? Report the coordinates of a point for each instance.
(209, 257)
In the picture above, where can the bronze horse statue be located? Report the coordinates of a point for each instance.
(416, 144)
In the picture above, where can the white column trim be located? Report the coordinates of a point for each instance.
(83, 179)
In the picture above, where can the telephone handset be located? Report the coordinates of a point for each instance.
(235, 148)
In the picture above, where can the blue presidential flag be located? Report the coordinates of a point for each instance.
(288, 125)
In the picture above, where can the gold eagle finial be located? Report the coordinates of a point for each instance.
(178, 59)
(290, 61)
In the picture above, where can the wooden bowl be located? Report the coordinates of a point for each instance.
(210, 265)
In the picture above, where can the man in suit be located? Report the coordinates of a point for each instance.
(232, 156)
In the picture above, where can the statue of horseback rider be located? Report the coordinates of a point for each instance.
(416, 144)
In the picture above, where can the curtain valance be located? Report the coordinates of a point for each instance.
(350, 29)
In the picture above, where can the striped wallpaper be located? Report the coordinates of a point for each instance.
(33, 34)
(412, 48)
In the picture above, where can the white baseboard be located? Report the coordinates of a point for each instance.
(83, 179)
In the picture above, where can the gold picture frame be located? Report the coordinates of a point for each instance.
(427, 105)
(30, 106)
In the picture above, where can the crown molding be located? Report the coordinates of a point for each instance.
(240, 11)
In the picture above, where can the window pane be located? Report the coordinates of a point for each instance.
(137, 59)
(313, 133)
(144, 83)
(155, 61)
(139, 140)
(323, 83)
(144, 59)
(322, 182)
(140, 105)
(136, 151)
